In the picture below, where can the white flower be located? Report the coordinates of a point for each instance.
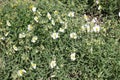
(34, 9)
(73, 35)
(96, 28)
(53, 22)
(49, 16)
(99, 7)
(61, 30)
(30, 27)
(55, 35)
(36, 18)
(53, 64)
(33, 65)
(72, 56)
(97, 1)
(2, 38)
(21, 72)
(22, 35)
(15, 48)
(71, 14)
(119, 14)
(34, 39)
(86, 17)
(8, 23)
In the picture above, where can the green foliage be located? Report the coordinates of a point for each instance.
(97, 52)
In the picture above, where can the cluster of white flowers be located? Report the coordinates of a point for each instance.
(91, 28)
(96, 28)
(23, 71)
(55, 35)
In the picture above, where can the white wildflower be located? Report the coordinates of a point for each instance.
(99, 7)
(73, 35)
(72, 56)
(71, 14)
(61, 30)
(2, 38)
(8, 23)
(22, 35)
(21, 72)
(49, 16)
(53, 64)
(55, 35)
(36, 18)
(34, 9)
(34, 39)
(30, 27)
(33, 65)
(96, 28)
(97, 1)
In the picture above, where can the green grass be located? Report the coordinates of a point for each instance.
(97, 53)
